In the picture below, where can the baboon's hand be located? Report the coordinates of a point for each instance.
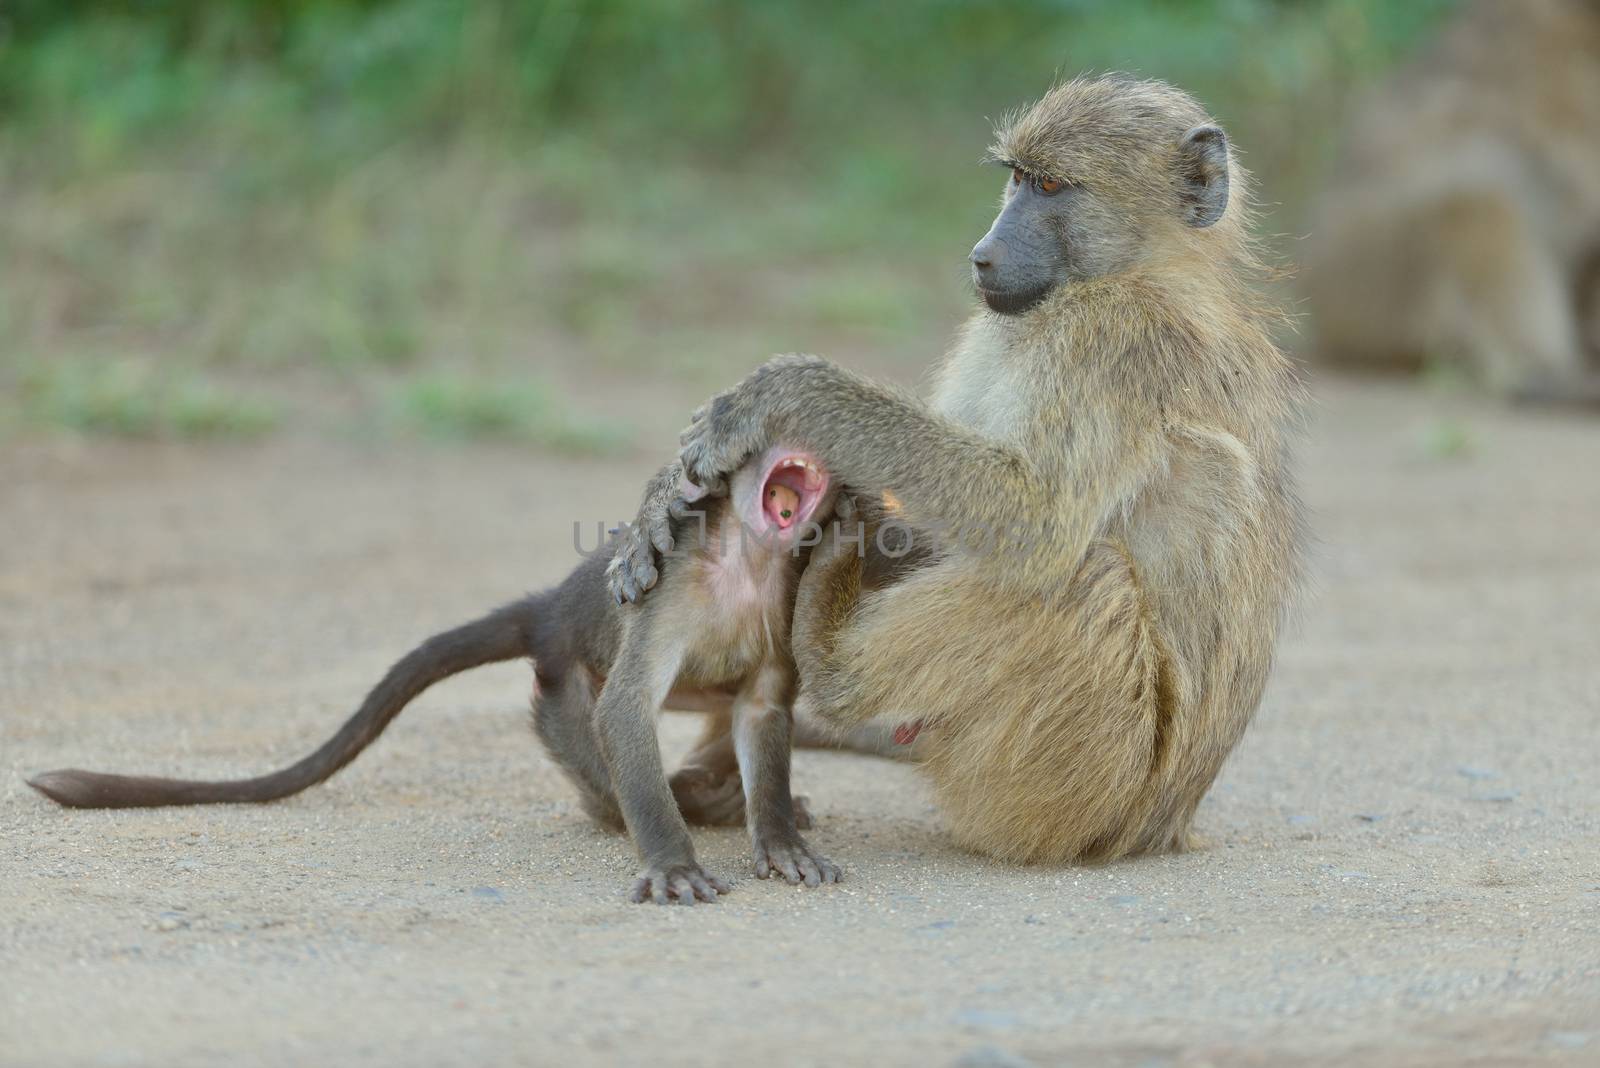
(640, 544)
(792, 859)
(681, 883)
(632, 570)
(736, 424)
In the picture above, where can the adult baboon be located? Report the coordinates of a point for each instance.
(1463, 224)
(1118, 411)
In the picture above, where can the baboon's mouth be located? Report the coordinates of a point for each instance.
(791, 489)
(1013, 301)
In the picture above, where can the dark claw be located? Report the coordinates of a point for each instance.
(793, 859)
(683, 884)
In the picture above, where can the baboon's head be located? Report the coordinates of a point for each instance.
(1104, 172)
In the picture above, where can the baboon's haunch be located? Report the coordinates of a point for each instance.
(1118, 403)
(715, 637)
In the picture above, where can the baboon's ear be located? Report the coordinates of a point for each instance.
(1203, 175)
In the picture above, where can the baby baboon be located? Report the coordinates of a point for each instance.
(1463, 223)
(715, 638)
(1119, 414)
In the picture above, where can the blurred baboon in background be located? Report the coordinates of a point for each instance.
(1462, 225)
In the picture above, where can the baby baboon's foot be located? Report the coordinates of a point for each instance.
(790, 857)
(681, 883)
(802, 813)
(707, 797)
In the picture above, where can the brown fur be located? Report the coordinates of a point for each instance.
(1462, 221)
(1078, 698)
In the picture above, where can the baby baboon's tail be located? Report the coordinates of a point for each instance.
(500, 635)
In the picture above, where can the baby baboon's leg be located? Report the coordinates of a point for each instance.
(762, 721)
(625, 718)
(714, 749)
(707, 786)
(563, 718)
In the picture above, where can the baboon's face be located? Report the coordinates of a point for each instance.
(1048, 231)
(1053, 229)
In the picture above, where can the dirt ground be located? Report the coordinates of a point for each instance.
(1404, 857)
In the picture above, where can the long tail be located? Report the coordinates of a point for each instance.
(500, 635)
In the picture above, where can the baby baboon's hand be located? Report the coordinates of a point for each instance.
(632, 570)
(793, 860)
(681, 883)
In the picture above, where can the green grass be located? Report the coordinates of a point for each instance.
(516, 411)
(1447, 439)
(340, 193)
(127, 399)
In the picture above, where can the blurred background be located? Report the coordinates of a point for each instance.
(521, 220)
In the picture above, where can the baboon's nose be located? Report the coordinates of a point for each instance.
(985, 254)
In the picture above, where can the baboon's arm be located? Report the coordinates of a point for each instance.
(870, 436)
(1044, 497)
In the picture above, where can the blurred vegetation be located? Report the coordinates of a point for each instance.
(231, 216)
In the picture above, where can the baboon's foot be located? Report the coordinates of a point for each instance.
(708, 797)
(802, 813)
(792, 859)
(681, 883)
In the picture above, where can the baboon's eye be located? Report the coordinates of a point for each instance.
(1049, 186)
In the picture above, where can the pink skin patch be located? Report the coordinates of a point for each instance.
(906, 733)
(792, 487)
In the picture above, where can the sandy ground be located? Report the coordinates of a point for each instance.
(1404, 858)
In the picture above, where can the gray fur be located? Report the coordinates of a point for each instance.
(603, 669)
